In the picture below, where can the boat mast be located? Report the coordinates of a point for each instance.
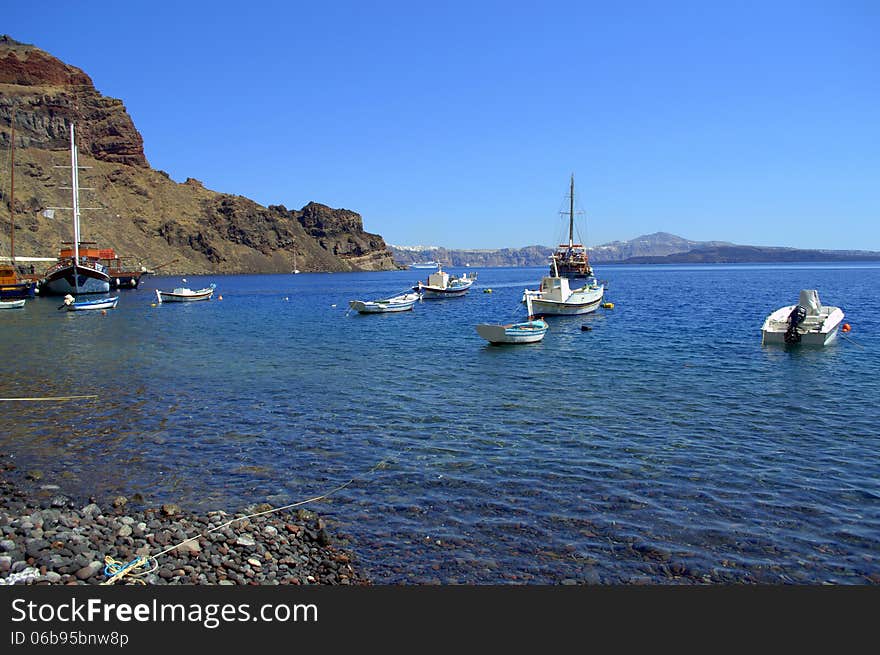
(12, 188)
(571, 214)
(75, 181)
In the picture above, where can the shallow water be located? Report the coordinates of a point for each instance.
(666, 444)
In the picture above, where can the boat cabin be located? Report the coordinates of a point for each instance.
(438, 278)
(555, 288)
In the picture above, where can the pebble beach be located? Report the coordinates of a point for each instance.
(47, 537)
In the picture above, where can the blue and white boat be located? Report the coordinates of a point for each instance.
(12, 304)
(529, 331)
(401, 303)
(442, 285)
(74, 305)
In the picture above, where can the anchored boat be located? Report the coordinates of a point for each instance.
(74, 305)
(75, 274)
(185, 294)
(571, 259)
(401, 303)
(12, 285)
(556, 297)
(529, 331)
(442, 285)
(809, 323)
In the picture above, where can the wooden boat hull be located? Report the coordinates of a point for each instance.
(528, 332)
(17, 291)
(126, 280)
(12, 304)
(91, 305)
(72, 279)
(171, 296)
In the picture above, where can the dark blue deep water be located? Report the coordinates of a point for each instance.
(664, 445)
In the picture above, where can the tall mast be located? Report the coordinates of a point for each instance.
(571, 214)
(75, 180)
(12, 188)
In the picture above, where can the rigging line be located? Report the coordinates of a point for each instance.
(117, 570)
(277, 509)
(850, 339)
(48, 398)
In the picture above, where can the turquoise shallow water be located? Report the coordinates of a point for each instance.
(664, 445)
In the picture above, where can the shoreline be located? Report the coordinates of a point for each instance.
(48, 538)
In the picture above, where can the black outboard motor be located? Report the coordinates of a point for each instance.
(797, 316)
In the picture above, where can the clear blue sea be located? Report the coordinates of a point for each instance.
(665, 445)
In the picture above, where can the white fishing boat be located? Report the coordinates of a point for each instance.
(12, 304)
(425, 265)
(71, 304)
(442, 285)
(529, 331)
(809, 323)
(76, 273)
(185, 294)
(556, 297)
(401, 303)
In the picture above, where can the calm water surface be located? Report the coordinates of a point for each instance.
(666, 444)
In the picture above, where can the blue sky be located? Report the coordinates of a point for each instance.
(459, 123)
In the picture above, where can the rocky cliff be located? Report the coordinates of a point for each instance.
(143, 213)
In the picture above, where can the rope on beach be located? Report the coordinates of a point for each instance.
(48, 398)
(118, 570)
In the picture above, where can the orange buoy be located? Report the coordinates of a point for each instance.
(219, 297)
(103, 312)
(846, 327)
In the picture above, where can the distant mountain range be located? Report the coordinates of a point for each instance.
(657, 248)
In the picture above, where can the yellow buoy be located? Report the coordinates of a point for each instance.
(152, 304)
(608, 305)
(487, 290)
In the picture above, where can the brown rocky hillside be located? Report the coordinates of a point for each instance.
(141, 212)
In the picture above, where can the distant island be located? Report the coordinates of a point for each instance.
(657, 248)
